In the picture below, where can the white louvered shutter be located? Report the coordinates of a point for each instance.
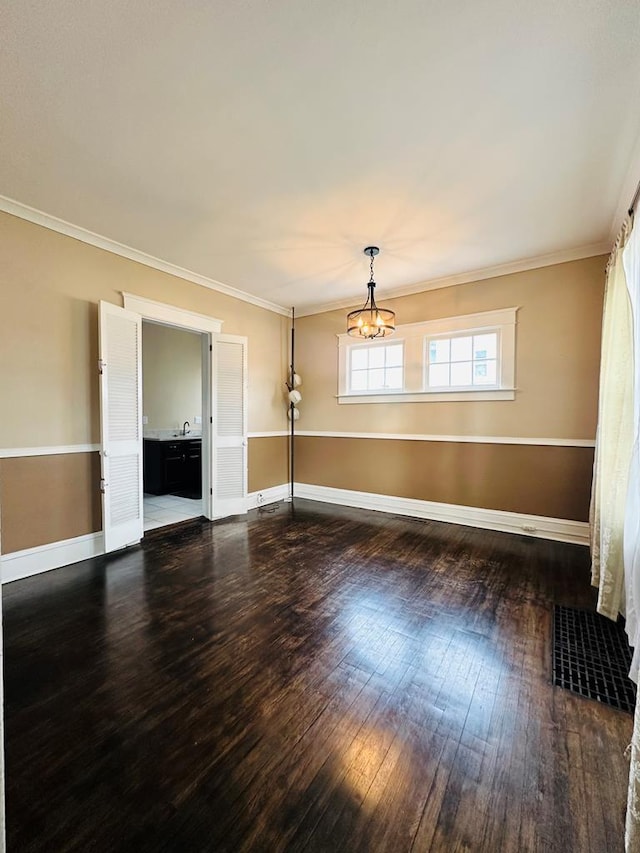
(121, 425)
(229, 425)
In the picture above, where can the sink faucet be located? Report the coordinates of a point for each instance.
(184, 427)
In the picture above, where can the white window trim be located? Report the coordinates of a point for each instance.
(414, 336)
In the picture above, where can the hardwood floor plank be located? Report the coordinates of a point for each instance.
(310, 678)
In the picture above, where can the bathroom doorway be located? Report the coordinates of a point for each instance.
(223, 462)
(172, 411)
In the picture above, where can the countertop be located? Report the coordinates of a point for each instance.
(173, 438)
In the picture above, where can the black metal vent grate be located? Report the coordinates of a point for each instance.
(591, 657)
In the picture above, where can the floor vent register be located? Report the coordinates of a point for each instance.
(591, 657)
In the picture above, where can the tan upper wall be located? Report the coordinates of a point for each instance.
(49, 289)
(171, 376)
(557, 359)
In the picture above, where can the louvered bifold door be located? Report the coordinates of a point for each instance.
(229, 425)
(121, 425)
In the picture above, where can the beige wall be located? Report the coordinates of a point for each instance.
(268, 462)
(50, 286)
(557, 359)
(49, 289)
(557, 363)
(45, 499)
(171, 376)
(510, 477)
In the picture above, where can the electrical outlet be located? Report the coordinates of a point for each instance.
(145, 419)
(197, 419)
(260, 498)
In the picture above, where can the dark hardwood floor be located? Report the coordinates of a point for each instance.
(312, 678)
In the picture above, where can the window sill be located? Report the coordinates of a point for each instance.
(429, 396)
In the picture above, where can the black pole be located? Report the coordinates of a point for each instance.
(292, 408)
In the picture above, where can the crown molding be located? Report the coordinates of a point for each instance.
(61, 226)
(525, 265)
(53, 223)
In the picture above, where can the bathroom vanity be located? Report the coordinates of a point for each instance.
(173, 466)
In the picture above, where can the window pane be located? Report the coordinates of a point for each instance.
(485, 346)
(376, 379)
(461, 349)
(484, 373)
(359, 358)
(438, 375)
(394, 355)
(359, 380)
(461, 371)
(376, 356)
(394, 378)
(439, 351)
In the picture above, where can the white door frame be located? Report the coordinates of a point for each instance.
(170, 315)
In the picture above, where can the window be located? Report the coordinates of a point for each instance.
(376, 367)
(470, 357)
(463, 361)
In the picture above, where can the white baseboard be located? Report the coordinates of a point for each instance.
(559, 529)
(33, 561)
(267, 496)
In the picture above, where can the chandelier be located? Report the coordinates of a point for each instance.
(370, 321)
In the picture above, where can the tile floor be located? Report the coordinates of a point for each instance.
(167, 509)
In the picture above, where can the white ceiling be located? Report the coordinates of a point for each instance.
(264, 144)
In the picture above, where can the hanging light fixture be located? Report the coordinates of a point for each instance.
(371, 321)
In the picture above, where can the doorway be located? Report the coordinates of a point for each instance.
(223, 461)
(172, 407)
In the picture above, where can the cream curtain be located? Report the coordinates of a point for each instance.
(614, 441)
(631, 260)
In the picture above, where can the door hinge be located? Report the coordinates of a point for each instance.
(210, 347)
(101, 366)
(210, 491)
(103, 485)
(211, 419)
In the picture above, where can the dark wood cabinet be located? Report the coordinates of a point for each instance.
(173, 466)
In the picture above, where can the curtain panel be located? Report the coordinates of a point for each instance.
(631, 259)
(614, 441)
